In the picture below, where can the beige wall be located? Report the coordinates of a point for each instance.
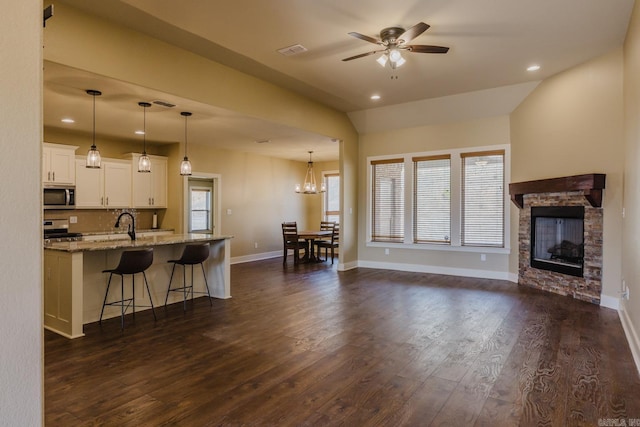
(572, 124)
(631, 221)
(21, 351)
(482, 132)
(75, 37)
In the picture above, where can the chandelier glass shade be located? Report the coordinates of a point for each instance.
(185, 165)
(144, 162)
(94, 161)
(310, 186)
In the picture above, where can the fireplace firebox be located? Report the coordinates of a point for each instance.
(557, 239)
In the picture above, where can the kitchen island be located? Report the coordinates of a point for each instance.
(74, 284)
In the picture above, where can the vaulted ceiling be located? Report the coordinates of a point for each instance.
(492, 42)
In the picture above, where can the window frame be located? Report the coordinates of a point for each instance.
(325, 213)
(456, 201)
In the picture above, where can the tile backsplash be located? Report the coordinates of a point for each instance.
(103, 220)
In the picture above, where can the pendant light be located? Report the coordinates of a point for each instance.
(185, 166)
(94, 161)
(309, 186)
(144, 163)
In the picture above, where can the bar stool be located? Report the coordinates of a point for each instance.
(131, 262)
(191, 255)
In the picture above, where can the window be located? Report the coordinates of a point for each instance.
(432, 199)
(447, 200)
(388, 200)
(200, 205)
(483, 198)
(332, 197)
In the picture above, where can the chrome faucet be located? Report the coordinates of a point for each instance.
(131, 228)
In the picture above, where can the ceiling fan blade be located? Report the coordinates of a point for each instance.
(413, 32)
(362, 55)
(365, 38)
(422, 48)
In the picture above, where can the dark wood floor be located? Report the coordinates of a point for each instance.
(310, 346)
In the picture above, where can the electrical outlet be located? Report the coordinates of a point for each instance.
(228, 211)
(255, 245)
(483, 257)
(386, 251)
(73, 220)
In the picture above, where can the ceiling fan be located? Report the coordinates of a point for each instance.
(393, 41)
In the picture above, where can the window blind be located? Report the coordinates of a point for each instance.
(483, 198)
(432, 199)
(388, 200)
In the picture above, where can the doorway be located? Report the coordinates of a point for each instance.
(202, 204)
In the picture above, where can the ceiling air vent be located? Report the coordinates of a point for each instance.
(292, 50)
(165, 104)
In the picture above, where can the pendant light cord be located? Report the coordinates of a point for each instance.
(93, 144)
(185, 136)
(144, 129)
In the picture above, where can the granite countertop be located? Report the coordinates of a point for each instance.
(142, 242)
(124, 231)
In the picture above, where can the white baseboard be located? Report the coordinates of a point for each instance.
(513, 277)
(609, 302)
(255, 257)
(420, 268)
(632, 336)
(348, 266)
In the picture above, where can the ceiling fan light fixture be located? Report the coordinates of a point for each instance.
(383, 59)
(395, 55)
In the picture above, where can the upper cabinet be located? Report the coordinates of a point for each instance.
(58, 164)
(149, 190)
(107, 187)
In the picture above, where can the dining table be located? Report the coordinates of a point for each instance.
(310, 236)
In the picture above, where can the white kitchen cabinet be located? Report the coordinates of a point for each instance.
(107, 187)
(149, 190)
(58, 164)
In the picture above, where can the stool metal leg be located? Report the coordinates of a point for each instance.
(169, 289)
(133, 293)
(105, 297)
(206, 284)
(122, 310)
(184, 287)
(150, 299)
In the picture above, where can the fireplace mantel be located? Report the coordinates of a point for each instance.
(590, 184)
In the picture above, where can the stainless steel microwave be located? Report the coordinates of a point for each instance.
(59, 197)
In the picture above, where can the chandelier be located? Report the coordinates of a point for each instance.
(309, 186)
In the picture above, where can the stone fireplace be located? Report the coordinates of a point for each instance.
(560, 235)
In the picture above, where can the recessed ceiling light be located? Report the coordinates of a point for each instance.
(533, 68)
(375, 97)
(67, 120)
(139, 132)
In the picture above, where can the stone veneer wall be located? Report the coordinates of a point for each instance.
(587, 288)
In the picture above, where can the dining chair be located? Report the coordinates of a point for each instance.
(333, 244)
(291, 241)
(326, 226)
